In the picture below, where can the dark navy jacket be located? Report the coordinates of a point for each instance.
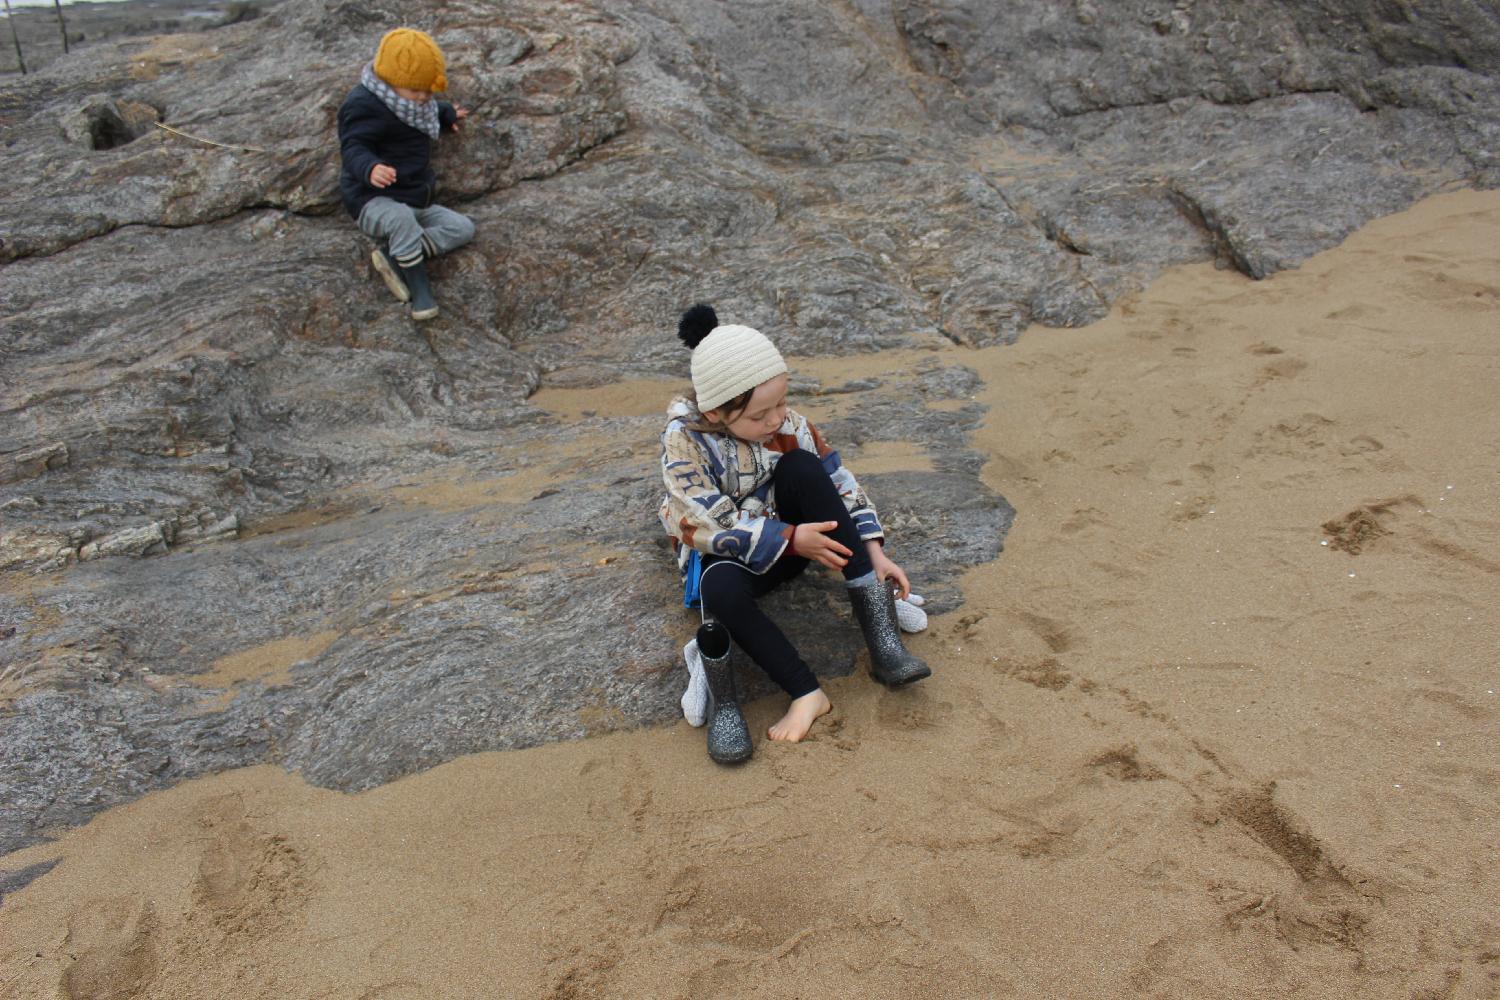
(370, 133)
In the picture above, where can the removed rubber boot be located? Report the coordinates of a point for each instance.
(423, 305)
(728, 736)
(386, 268)
(875, 607)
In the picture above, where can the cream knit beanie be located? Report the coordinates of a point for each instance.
(727, 360)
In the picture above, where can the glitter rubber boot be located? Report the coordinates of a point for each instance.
(728, 736)
(875, 607)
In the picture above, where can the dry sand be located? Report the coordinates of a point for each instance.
(1175, 745)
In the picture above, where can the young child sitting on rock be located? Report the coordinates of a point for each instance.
(754, 494)
(387, 126)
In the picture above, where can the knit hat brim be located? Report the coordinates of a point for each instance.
(731, 360)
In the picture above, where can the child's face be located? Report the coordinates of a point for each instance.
(762, 417)
(420, 96)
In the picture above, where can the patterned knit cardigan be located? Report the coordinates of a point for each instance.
(720, 499)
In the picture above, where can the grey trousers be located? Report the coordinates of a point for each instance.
(410, 234)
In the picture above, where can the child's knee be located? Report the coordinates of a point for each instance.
(799, 461)
(453, 231)
(464, 230)
(724, 589)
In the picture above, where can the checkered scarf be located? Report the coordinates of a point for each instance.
(420, 115)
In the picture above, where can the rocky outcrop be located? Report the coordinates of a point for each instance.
(219, 438)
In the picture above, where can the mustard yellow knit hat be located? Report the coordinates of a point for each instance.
(410, 59)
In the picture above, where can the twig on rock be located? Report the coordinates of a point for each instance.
(209, 142)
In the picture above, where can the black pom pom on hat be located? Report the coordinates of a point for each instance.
(697, 323)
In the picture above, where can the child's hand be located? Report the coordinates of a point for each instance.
(382, 175)
(459, 114)
(887, 570)
(810, 542)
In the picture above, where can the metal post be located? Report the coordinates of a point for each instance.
(61, 24)
(11, 17)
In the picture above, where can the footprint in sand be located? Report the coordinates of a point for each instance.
(1124, 764)
(1326, 908)
(1451, 291)
(1058, 637)
(1119, 572)
(1362, 444)
(1355, 531)
(835, 730)
(911, 710)
(1350, 314)
(1194, 509)
(968, 626)
(114, 950)
(1464, 708)
(1281, 368)
(250, 882)
(1083, 519)
(1303, 436)
(583, 970)
(1041, 671)
(1046, 673)
(735, 905)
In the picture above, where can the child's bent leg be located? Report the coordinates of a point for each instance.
(729, 593)
(443, 230)
(397, 224)
(805, 493)
(388, 221)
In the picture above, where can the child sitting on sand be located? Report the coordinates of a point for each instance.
(753, 495)
(387, 126)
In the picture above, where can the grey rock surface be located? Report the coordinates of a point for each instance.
(221, 442)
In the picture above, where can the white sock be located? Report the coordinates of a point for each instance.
(909, 614)
(695, 698)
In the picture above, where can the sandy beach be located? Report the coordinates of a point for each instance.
(1221, 721)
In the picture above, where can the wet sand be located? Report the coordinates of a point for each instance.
(1221, 721)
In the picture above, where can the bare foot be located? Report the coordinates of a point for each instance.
(800, 716)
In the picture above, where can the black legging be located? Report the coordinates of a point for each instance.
(803, 493)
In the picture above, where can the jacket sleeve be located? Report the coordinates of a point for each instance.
(861, 510)
(359, 136)
(698, 515)
(447, 116)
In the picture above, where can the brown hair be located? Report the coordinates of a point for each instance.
(732, 409)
